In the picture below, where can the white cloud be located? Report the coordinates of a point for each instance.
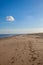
(10, 18)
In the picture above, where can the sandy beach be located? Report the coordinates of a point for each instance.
(22, 50)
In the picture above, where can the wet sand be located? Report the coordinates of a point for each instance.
(22, 50)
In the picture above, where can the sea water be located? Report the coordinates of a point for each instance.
(7, 35)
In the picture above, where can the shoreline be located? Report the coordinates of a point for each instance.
(15, 35)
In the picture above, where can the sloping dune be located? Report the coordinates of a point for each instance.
(22, 50)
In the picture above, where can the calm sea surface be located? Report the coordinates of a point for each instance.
(7, 35)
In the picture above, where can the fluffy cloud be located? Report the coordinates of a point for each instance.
(10, 18)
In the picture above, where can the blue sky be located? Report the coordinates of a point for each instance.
(24, 15)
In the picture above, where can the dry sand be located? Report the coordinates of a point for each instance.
(22, 50)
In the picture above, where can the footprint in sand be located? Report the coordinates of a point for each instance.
(39, 63)
(22, 60)
(12, 60)
(16, 49)
(32, 64)
(29, 60)
(34, 57)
